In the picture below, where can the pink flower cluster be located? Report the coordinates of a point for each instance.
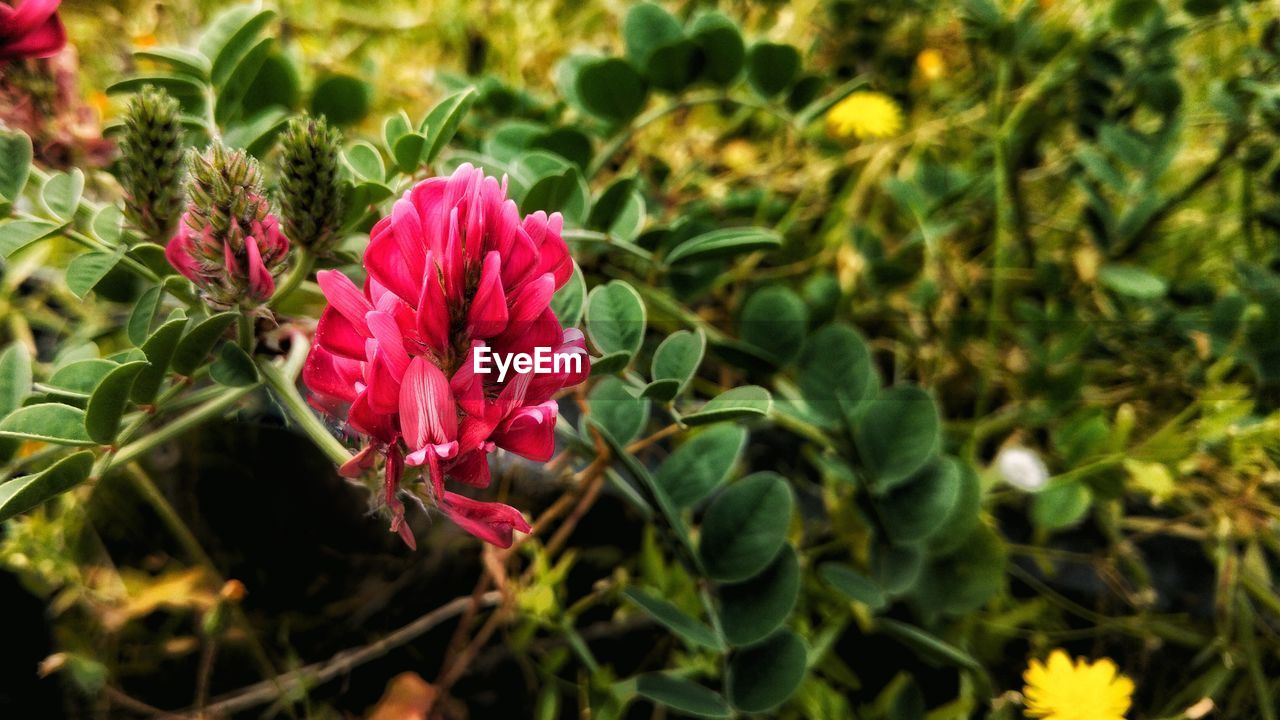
(30, 29)
(454, 267)
(232, 267)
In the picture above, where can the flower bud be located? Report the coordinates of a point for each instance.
(228, 243)
(310, 187)
(1022, 468)
(151, 163)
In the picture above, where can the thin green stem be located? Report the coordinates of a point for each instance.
(286, 392)
(165, 433)
(303, 261)
(246, 335)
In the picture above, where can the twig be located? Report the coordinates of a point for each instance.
(324, 671)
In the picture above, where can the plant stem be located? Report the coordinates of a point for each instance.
(303, 261)
(246, 335)
(165, 433)
(286, 391)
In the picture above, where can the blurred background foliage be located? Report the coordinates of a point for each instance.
(1069, 241)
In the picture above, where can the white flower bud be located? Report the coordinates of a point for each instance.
(1022, 468)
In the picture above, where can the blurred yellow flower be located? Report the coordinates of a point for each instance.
(1062, 690)
(865, 115)
(930, 64)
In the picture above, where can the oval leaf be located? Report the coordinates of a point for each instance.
(745, 527)
(762, 677)
(615, 318)
(47, 422)
(682, 695)
(749, 611)
(899, 432)
(747, 401)
(700, 464)
(673, 618)
(26, 493)
(107, 403)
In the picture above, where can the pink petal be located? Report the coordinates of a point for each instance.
(345, 297)
(261, 284)
(336, 334)
(488, 313)
(428, 417)
(390, 342)
(179, 254)
(433, 311)
(328, 374)
(471, 469)
(530, 432)
(533, 298)
(386, 263)
(491, 522)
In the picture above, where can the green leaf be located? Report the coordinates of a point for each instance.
(180, 86)
(762, 677)
(611, 89)
(15, 377)
(899, 432)
(637, 471)
(158, 348)
(678, 357)
(772, 67)
(86, 270)
(702, 463)
(195, 345)
(750, 610)
(408, 151)
(927, 644)
(962, 581)
(143, 314)
(395, 127)
(108, 224)
(365, 160)
(17, 234)
(564, 192)
(854, 585)
(774, 319)
(29, 492)
(610, 363)
(682, 695)
(617, 410)
(107, 403)
(837, 377)
(745, 527)
(674, 66)
(673, 618)
(15, 164)
(661, 390)
(178, 59)
(897, 568)
(964, 515)
(646, 28)
(82, 376)
(917, 509)
(615, 318)
(740, 402)
(568, 301)
(723, 243)
(240, 43)
(1062, 504)
(722, 47)
(233, 367)
(1132, 282)
(342, 99)
(46, 422)
(441, 124)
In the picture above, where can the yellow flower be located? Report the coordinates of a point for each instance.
(930, 64)
(865, 115)
(1061, 690)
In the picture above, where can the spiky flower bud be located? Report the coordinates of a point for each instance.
(151, 163)
(310, 188)
(229, 244)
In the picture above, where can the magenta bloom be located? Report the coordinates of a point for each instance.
(233, 266)
(30, 29)
(453, 268)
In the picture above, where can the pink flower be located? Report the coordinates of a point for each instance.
(231, 267)
(30, 29)
(453, 268)
(228, 242)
